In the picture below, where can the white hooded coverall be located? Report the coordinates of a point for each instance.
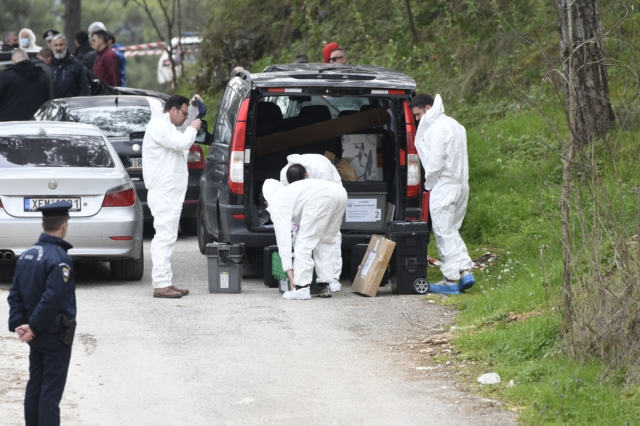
(319, 167)
(32, 40)
(318, 206)
(441, 143)
(164, 153)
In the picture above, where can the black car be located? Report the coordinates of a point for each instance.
(359, 113)
(124, 119)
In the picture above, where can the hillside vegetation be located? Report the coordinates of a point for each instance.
(493, 63)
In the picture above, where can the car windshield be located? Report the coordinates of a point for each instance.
(115, 121)
(54, 151)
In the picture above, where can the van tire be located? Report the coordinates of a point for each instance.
(204, 237)
(128, 269)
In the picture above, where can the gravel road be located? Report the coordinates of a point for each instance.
(244, 359)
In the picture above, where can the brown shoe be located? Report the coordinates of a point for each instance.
(166, 293)
(184, 292)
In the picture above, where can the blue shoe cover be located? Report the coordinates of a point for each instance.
(445, 289)
(467, 282)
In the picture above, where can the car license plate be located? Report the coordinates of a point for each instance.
(136, 163)
(33, 204)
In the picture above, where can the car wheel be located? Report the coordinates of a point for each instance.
(128, 269)
(189, 225)
(204, 237)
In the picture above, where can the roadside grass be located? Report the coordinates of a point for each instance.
(509, 321)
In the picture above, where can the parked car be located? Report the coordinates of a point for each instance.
(123, 119)
(359, 113)
(41, 163)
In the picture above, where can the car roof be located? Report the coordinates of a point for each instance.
(80, 102)
(31, 128)
(287, 75)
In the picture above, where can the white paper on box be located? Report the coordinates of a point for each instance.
(367, 264)
(224, 280)
(361, 151)
(363, 210)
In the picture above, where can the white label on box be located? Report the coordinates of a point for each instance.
(367, 264)
(363, 210)
(224, 280)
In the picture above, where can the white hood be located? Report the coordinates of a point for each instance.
(32, 39)
(430, 117)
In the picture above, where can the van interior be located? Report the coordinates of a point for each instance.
(360, 131)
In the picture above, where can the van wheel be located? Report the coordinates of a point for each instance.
(189, 225)
(128, 269)
(204, 237)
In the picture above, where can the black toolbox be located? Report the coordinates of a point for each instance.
(409, 261)
(269, 280)
(357, 254)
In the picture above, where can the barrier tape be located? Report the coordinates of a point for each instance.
(144, 46)
(130, 53)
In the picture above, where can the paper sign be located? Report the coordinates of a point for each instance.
(224, 280)
(367, 264)
(363, 210)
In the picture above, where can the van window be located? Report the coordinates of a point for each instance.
(227, 117)
(291, 105)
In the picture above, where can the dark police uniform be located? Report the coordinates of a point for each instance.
(41, 295)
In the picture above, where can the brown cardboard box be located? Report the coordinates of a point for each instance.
(321, 131)
(373, 266)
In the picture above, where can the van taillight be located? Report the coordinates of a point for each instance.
(195, 159)
(413, 161)
(0, 203)
(236, 158)
(120, 196)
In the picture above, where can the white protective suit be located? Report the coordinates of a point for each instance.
(32, 40)
(442, 147)
(318, 206)
(319, 167)
(164, 153)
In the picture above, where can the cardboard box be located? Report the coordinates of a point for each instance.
(373, 266)
(320, 131)
(362, 152)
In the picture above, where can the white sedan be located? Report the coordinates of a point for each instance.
(44, 162)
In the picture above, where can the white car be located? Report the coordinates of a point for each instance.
(44, 162)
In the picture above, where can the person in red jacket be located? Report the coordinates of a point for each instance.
(106, 67)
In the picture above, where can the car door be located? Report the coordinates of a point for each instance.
(215, 187)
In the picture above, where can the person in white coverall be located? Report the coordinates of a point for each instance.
(165, 147)
(441, 143)
(318, 207)
(320, 167)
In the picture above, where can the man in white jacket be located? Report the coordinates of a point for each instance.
(442, 146)
(319, 167)
(318, 207)
(165, 147)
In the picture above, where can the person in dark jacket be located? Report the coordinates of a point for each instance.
(106, 67)
(42, 312)
(122, 60)
(69, 76)
(24, 87)
(82, 45)
(43, 60)
(90, 57)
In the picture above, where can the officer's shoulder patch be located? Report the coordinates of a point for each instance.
(66, 271)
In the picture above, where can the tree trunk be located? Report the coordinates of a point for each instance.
(412, 27)
(72, 15)
(581, 49)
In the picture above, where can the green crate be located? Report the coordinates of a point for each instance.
(279, 274)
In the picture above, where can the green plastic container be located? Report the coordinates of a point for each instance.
(281, 276)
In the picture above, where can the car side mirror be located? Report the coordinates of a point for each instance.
(126, 161)
(203, 136)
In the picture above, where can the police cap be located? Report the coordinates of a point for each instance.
(48, 35)
(59, 208)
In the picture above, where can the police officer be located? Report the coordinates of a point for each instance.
(42, 303)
